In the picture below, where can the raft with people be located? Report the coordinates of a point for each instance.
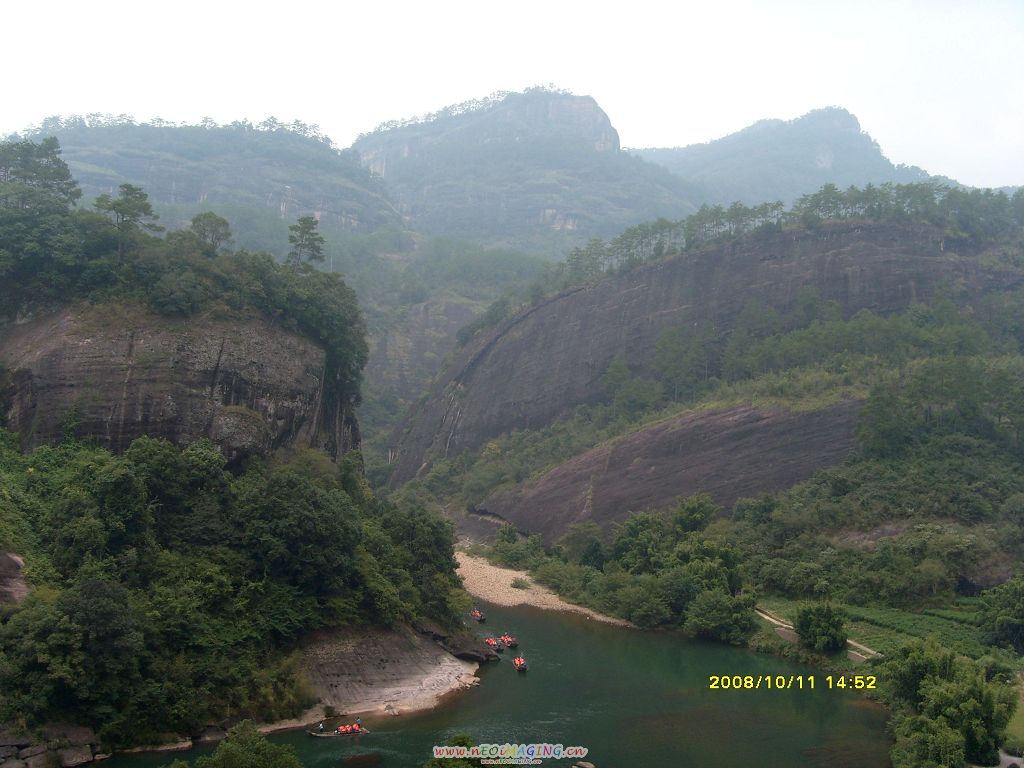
(508, 640)
(494, 644)
(520, 664)
(345, 729)
(478, 615)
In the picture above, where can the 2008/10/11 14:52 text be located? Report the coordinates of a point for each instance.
(791, 682)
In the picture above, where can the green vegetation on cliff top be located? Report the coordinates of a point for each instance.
(52, 253)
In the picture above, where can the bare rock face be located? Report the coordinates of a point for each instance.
(111, 374)
(538, 366)
(13, 588)
(728, 454)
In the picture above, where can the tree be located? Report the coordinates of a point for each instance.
(131, 212)
(34, 178)
(307, 244)
(1002, 614)
(821, 627)
(693, 513)
(580, 538)
(213, 231)
(246, 747)
(716, 615)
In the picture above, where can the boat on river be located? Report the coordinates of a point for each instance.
(494, 644)
(508, 640)
(477, 615)
(335, 733)
(519, 663)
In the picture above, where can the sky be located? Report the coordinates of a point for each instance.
(937, 83)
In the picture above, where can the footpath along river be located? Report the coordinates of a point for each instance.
(632, 698)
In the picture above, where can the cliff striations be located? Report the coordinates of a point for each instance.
(729, 454)
(111, 374)
(538, 366)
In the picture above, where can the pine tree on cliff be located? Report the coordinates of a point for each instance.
(307, 244)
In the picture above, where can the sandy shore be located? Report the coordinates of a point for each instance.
(494, 584)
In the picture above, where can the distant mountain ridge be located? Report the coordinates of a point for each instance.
(259, 177)
(538, 170)
(784, 159)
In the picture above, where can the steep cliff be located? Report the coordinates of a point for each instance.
(537, 367)
(111, 374)
(729, 454)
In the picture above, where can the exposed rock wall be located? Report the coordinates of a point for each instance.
(12, 582)
(112, 374)
(729, 454)
(538, 366)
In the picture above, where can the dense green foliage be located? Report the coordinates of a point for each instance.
(945, 710)
(1002, 614)
(820, 627)
(52, 253)
(657, 571)
(169, 593)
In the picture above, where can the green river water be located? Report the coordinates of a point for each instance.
(634, 699)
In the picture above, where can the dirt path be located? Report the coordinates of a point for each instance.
(861, 650)
(494, 584)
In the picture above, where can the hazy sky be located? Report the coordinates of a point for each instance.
(937, 84)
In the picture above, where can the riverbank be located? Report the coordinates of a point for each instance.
(492, 583)
(375, 672)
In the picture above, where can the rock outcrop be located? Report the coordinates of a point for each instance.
(56, 744)
(538, 366)
(728, 454)
(12, 582)
(383, 672)
(111, 374)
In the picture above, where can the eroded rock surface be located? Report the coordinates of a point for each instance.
(537, 367)
(112, 374)
(729, 454)
(13, 588)
(383, 671)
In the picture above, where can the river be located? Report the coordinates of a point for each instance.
(632, 698)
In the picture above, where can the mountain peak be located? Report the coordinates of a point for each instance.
(536, 114)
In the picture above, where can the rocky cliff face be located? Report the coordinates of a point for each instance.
(12, 581)
(540, 365)
(729, 454)
(112, 374)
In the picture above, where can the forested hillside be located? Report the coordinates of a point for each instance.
(167, 586)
